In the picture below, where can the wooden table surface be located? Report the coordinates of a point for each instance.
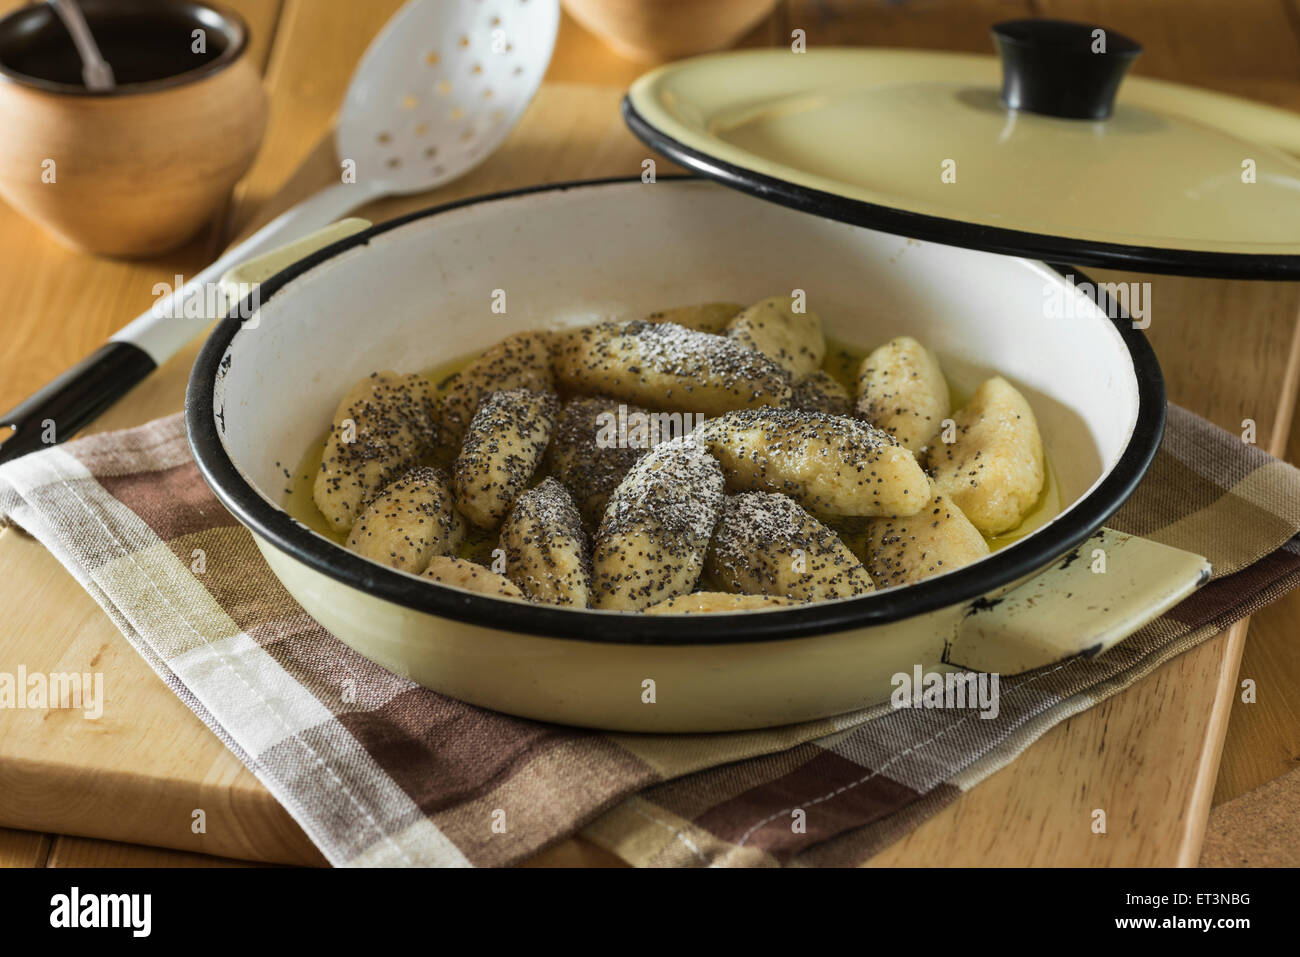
(1151, 755)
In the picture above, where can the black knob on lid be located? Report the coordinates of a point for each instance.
(1061, 68)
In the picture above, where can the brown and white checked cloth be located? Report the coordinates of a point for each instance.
(379, 771)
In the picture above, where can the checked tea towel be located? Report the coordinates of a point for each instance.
(379, 771)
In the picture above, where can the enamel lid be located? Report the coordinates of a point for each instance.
(1159, 178)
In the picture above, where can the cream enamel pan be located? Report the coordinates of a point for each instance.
(417, 292)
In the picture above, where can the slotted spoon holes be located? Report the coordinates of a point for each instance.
(450, 108)
(464, 68)
(426, 143)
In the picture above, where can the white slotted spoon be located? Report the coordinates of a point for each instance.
(438, 89)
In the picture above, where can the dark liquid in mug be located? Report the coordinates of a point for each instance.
(140, 47)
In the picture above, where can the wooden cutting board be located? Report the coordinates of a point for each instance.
(1148, 756)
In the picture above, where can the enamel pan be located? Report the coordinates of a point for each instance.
(417, 292)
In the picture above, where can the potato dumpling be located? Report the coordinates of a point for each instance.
(765, 544)
(382, 427)
(665, 365)
(793, 339)
(546, 548)
(831, 465)
(506, 441)
(994, 470)
(409, 522)
(521, 361)
(655, 533)
(717, 602)
(705, 317)
(901, 389)
(707, 459)
(459, 573)
(821, 392)
(583, 458)
(937, 539)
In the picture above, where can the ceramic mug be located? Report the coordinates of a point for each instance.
(140, 169)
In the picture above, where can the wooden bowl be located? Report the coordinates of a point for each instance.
(652, 31)
(138, 170)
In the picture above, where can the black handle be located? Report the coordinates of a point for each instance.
(73, 400)
(1061, 68)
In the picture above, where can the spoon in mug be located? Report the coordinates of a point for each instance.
(95, 71)
(437, 91)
